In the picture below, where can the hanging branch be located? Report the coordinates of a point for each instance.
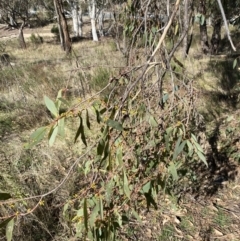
(225, 24)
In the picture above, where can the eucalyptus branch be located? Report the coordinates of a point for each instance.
(226, 25)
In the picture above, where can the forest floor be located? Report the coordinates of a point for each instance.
(209, 208)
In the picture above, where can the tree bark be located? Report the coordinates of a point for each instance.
(59, 27)
(92, 12)
(186, 26)
(63, 22)
(216, 36)
(21, 39)
(203, 27)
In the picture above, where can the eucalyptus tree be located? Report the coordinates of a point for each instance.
(76, 11)
(15, 13)
(63, 27)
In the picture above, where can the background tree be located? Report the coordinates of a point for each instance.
(63, 27)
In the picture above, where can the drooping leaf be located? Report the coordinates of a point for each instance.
(51, 106)
(175, 154)
(36, 136)
(126, 185)
(109, 191)
(9, 230)
(100, 147)
(93, 216)
(64, 101)
(136, 216)
(119, 160)
(202, 157)
(152, 121)
(4, 196)
(234, 63)
(53, 136)
(85, 214)
(81, 131)
(114, 124)
(87, 120)
(101, 208)
(176, 29)
(173, 170)
(181, 147)
(5, 222)
(146, 187)
(202, 19)
(61, 127)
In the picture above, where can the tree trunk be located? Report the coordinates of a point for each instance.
(80, 21)
(216, 36)
(100, 23)
(75, 17)
(59, 27)
(203, 27)
(21, 39)
(92, 12)
(64, 26)
(186, 25)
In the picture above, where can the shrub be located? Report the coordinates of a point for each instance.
(36, 39)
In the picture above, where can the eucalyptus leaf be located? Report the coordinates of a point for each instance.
(4, 196)
(9, 230)
(114, 124)
(51, 106)
(53, 136)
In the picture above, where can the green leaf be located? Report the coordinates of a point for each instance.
(61, 127)
(181, 147)
(53, 136)
(175, 154)
(93, 216)
(126, 185)
(64, 101)
(51, 106)
(87, 120)
(100, 147)
(234, 63)
(114, 124)
(4, 196)
(202, 19)
(136, 216)
(65, 208)
(109, 190)
(152, 121)
(190, 146)
(101, 208)
(80, 131)
(37, 136)
(146, 187)
(9, 230)
(172, 169)
(85, 213)
(119, 160)
(202, 157)
(5, 222)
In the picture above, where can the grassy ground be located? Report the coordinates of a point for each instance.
(207, 208)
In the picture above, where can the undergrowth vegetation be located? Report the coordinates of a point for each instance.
(117, 143)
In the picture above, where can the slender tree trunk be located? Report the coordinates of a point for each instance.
(216, 36)
(186, 26)
(75, 18)
(92, 12)
(21, 39)
(64, 26)
(100, 23)
(59, 27)
(80, 20)
(203, 27)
